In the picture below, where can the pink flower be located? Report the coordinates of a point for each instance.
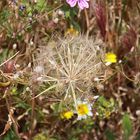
(81, 3)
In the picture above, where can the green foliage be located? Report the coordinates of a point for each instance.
(3, 56)
(40, 136)
(127, 126)
(109, 135)
(14, 91)
(10, 135)
(103, 102)
(4, 15)
(70, 15)
(56, 107)
(20, 26)
(41, 5)
(80, 127)
(105, 107)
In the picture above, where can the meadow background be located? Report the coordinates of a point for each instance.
(70, 70)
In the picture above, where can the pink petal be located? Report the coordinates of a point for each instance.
(72, 3)
(83, 4)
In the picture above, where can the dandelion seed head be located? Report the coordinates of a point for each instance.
(70, 63)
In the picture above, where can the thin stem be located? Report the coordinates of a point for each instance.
(74, 96)
(15, 125)
(54, 86)
(9, 59)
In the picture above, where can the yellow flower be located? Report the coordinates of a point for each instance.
(83, 110)
(71, 31)
(110, 58)
(67, 115)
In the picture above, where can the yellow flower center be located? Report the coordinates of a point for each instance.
(83, 109)
(111, 57)
(67, 115)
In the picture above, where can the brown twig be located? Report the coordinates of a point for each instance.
(87, 20)
(15, 124)
(32, 115)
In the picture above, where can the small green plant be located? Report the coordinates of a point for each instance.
(127, 126)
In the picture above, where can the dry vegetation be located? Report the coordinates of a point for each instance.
(69, 74)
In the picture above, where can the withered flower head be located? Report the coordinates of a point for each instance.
(70, 64)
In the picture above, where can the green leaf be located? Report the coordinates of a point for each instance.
(41, 5)
(4, 15)
(76, 25)
(109, 135)
(127, 126)
(3, 56)
(40, 136)
(10, 135)
(56, 107)
(103, 101)
(67, 14)
(14, 91)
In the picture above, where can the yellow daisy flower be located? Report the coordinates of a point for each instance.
(110, 58)
(67, 115)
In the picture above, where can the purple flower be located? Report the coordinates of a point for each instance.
(22, 7)
(81, 3)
